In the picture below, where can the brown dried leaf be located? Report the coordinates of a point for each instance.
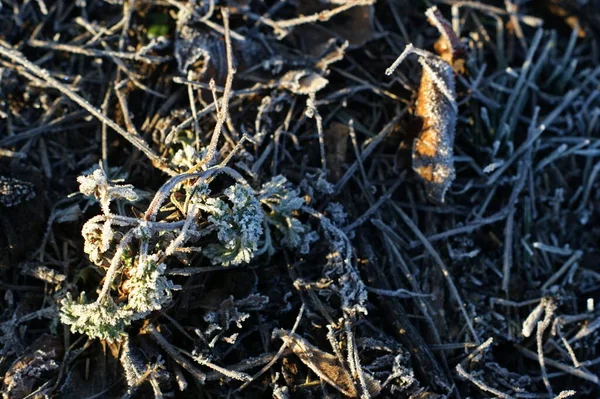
(433, 158)
(326, 365)
(331, 53)
(425, 395)
(303, 82)
(323, 364)
(449, 46)
(562, 10)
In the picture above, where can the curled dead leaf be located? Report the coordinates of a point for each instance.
(433, 157)
(432, 152)
(303, 82)
(326, 365)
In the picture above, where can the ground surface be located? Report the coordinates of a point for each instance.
(308, 250)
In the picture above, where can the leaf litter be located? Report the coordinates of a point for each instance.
(226, 213)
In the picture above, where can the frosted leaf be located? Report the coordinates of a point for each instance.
(93, 243)
(148, 289)
(432, 153)
(280, 197)
(239, 227)
(284, 203)
(307, 240)
(433, 157)
(92, 183)
(339, 266)
(96, 184)
(323, 186)
(231, 314)
(132, 365)
(105, 320)
(402, 373)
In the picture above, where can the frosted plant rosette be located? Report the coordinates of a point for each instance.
(228, 229)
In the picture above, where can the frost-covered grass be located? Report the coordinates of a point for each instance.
(233, 199)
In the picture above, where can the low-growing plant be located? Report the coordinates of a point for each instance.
(229, 227)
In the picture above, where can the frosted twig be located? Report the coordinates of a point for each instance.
(552, 249)
(480, 384)
(280, 26)
(508, 249)
(408, 50)
(398, 293)
(549, 309)
(470, 228)
(223, 111)
(556, 328)
(565, 394)
(480, 349)
(162, 194)
(568, 369)
(531, 321)
(563, 269)
(167, 347)
(312, 111)
(236, 375)
(147, 59)
(354, 361)
(356, 147)
(126, 115)
(111, 273)
(192, 100)
(278, 354)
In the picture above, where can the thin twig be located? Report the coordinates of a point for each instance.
(278, 354)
